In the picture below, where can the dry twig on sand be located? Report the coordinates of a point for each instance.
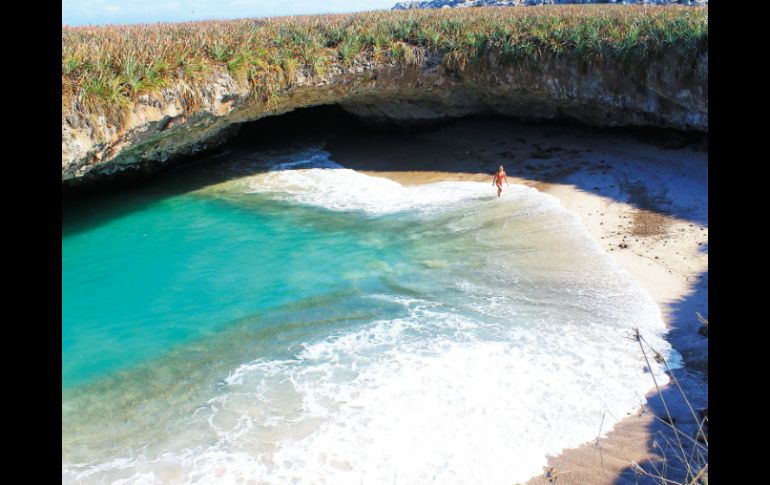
(692, 453)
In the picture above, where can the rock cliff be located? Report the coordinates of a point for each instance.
(182, 120)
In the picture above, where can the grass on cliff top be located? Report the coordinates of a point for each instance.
(105, 69)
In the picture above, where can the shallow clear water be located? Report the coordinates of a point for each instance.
(311, 324)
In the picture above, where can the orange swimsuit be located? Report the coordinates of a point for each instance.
(500, 176)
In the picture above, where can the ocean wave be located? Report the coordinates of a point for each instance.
(517, 349)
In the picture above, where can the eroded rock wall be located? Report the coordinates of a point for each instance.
(183, 120)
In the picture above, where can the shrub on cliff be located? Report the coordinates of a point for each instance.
(105, 69)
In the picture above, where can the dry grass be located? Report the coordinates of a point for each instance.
(682, 453)
(105, 69)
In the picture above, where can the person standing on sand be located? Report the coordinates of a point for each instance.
(498, 180)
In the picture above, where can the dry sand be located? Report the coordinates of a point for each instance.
(626, 189)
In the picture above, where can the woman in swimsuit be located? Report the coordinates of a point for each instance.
(498, 180)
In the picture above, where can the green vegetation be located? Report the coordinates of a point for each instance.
(104, 69)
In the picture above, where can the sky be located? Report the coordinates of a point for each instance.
(98, 12)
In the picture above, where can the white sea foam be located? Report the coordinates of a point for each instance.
(430, 398)
(530, 361)
(407, 401)
(348, 190)
(314, 179)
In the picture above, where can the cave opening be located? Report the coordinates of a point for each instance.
(541, 153)
(351, 137)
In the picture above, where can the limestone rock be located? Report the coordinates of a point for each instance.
(163, 127)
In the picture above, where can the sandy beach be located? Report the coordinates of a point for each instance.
(642, 198)
(285, 257)
(645, 201)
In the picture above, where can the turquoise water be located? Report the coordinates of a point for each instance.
(281, 319)
(181, 268)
